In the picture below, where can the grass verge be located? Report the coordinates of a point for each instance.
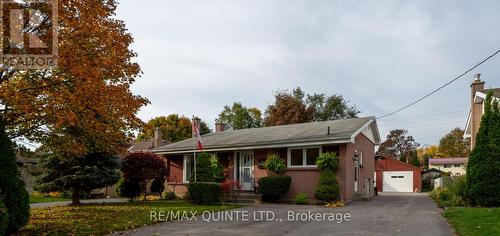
(39, 199)
(100, 219)
(469, 221)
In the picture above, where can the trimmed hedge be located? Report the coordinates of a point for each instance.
(273, 188)
(4, 218)
(328, 187)
(205, 193)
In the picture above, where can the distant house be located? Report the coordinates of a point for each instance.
(478, 94)
(148, 144)
(243, 152)
(27, 167)
(452, 165)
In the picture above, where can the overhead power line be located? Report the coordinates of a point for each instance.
(436, 90)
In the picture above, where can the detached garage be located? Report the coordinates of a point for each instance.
(396, 176)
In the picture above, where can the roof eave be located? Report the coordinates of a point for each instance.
(249, 147)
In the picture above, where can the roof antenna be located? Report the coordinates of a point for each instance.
(328, 130)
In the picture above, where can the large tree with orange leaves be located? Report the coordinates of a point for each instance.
(85, 106)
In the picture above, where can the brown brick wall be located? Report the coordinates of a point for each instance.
(367, 171)
(303, 179)
(476, 111)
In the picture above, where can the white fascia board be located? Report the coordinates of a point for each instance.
(365, 126)
(467, 125)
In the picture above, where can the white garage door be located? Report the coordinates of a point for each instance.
(398, 181)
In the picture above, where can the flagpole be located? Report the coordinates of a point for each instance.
(194, 147)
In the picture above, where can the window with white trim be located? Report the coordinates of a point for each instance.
(187, 171)
(303, 156)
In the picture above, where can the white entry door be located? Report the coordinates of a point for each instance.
(246, 170)
(397, 181)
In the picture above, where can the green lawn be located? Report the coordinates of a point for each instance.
(474, 221)
(38, 199)
(100, 219)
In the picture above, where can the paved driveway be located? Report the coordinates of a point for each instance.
(384, 215)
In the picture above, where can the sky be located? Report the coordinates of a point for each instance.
(197, 56)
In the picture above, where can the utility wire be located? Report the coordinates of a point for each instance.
(436, 90)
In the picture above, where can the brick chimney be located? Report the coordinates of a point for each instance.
(157, 139)
(476, 108)
(220, 127)
(196, 122)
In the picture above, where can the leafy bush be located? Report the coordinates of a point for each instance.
(453, 195)
(217, 168)
(444, 197)
(169, 196)
(143, 168)
(228, 186)
(328, 160)
(128, 188)
(205, 193)
(302, 199)
(4, 218)
(273, 188)
(434, 193)
(275, 164)
(12, 190)
(158, 186)
(328, 187)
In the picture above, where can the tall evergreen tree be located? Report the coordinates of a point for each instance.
(484, 161)
(12, 190)
(79, 175)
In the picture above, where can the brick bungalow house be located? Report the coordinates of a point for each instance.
(478, 95)
(243, 152)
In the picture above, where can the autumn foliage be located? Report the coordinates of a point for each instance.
(143, 168)
(84, 106)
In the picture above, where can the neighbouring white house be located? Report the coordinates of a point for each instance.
(452, 165)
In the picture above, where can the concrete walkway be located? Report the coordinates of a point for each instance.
(390, 214)
(64, 203)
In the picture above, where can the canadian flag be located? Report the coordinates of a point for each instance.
(197, 135)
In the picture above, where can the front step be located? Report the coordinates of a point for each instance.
(243, 197)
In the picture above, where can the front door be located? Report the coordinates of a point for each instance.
(246, 170)
(356, 176)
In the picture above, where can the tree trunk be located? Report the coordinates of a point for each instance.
(75, 197)
(145, 189)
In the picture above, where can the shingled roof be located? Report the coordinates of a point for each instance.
(448, 160)
(314, 133)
